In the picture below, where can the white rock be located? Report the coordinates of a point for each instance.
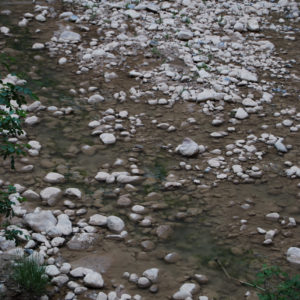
(185, 35)
(32, 120)
(143, 282)
(101, 296)
(102, 176)
(80, 272)
(98, 220)
(54, 177)
(273, 216)
(132, 14)
(115, 223)
(38, 46)
(73, 192)
(108, 138)
(188, 147)
(95, 99)
(253, 25)
(40, 221)
(241, 114)
(69, 36)
(52, 270)
(51, 195)
(93, 280)
(293, 255)
(152, 274)
(127, 178)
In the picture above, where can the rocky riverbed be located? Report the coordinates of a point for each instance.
(166, 135)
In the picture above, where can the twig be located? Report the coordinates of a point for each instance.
(236, 279)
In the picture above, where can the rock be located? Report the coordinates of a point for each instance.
(64, 225)
(152, 274)
(188, 147)
(98, 220)
(164, 231)
(101, 296)
(93, 280)
(95, 99)
(38, 46)
(32, 120)
(127, 178)
(108, 138)
(132, 14)
(31, 195)
(80, 272)
(185, 35)
(253, 25)
(51, 195)
(185, 291)
(172, 257)
(69, 36)
(82, 241)
(115, 223)
(244, 74)
(209, 95)
(273, 216)
(60, 280)
(41, 220)
(57, 242)
(102, 176)
(73, 192)
(241, 114)
(143, 282)
(293, 255)
(52, 270)
(54, 177)
(280, 146)
(202, 279)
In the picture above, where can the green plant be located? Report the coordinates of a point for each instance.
(30, 275)
(274, 284)
(12, 97)
(155, 52)
(7, 210)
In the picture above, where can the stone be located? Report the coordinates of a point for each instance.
(102, 176)
(64, 225)
(31, 195)
(51, 195)
(82, 241)
(127, 178)
(80, 272)
(32, 120)
(73, 192)
(143, 282)
(152, 274)
(52, 270)
(107, 138)
(201, 279)
(185, 35)
(293, 255)
(69, 36)
(60, 280)
(98, 220)
(95, 99)
(241, 114)
(38, 46)
(54, 177)
(101, 296)
(57, 242)
(164, 231)
(93, 280)
(132, 14)
(185, 291)
(188, 147)
(253, 25)
(40, 221)
(115, 224)
(272, 216)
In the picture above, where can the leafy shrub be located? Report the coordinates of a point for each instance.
(274, 284)
(30, 275)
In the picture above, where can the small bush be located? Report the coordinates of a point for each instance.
(30, 275)
(274, 284)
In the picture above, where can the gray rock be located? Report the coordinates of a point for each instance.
(115, 223)
(98, 220)
(143, 282)
(164, 231)
(253, 25)
(54, 177)
(52, 270)
(188, 147)
(293, 255)
(51, 195)
(73, 192)
(241, 114)
(152, 274)
(93, 280)
(107, 138)
(41, 220)
(82, 241)
(185, 35)
(69, 36)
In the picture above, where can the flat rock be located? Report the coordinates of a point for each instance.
(107, 138)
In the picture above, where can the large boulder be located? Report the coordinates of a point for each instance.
(40, 221)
